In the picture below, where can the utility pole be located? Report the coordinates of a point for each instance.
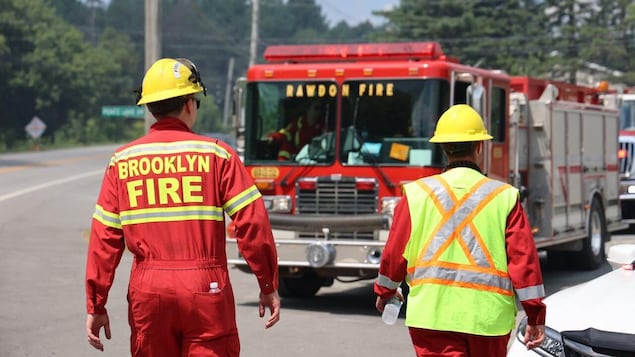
(152, 43)
(228, 91)
(254, 32)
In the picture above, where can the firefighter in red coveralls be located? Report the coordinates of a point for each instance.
(164, 197)
(463, 244)
(300, 131)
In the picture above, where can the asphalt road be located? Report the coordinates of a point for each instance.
(46, 202)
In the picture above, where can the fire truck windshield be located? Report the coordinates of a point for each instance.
(627, 115)
(385, 122)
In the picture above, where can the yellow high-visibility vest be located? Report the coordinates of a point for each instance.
(457, 261)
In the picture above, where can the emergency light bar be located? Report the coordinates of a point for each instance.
(351, 52)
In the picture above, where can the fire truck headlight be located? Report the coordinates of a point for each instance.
(388, 205)
(278, 204)
(627, 188)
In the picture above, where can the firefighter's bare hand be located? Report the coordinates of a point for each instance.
(534, 335)
(272, 302)
(380, 303)
(94, 323)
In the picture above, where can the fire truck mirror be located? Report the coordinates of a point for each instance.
(524, 193)
(476, 97)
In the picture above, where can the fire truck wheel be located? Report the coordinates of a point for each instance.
(592, 254)
(305, 286)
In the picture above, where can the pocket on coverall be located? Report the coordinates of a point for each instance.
(214, 313)
(145, 309)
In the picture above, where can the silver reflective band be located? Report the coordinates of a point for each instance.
(172, 148)
(461, 213)
(107, 218)
(166, 214)
(464, 276)
(384, 281)
(531, 292)
(241, 200)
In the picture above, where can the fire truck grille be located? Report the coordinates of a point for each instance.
(626, 164)
(337, 197)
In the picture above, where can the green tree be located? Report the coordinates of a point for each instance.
(49, 69)
(486, 33)
(46, 66)
(610, 32)
(291, 22)
(566, 21)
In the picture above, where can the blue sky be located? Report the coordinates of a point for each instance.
(353, 11)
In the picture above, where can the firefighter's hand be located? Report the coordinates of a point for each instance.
(273, 138)
(94, 323)
(271, 301)
(380, 303)
(534, 335)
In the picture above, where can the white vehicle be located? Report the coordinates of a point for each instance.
(591, 319)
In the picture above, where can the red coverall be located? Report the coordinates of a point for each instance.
(523, 267)
(162, 198)
(294, 136)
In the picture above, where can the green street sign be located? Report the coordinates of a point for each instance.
(123, 111)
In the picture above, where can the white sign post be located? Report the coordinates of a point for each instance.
(35, 128)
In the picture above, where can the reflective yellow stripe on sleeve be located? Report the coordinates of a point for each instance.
(106, 218)
(241, 200)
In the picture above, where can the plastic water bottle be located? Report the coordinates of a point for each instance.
(391, 310)
(213, 287)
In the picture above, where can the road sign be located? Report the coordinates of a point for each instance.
(35, 128)
(122, 111)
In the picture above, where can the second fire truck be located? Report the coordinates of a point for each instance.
(623, 100)
(331, 203)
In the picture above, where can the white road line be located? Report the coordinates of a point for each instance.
(50, 184)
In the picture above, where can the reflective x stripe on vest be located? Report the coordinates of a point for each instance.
(456, 224)
(457, 263)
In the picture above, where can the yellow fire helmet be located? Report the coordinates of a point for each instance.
(170, 78)
(460, 123)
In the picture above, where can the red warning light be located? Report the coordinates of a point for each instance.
(343, 52)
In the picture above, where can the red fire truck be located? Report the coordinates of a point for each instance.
(623, 99)
(331, 198)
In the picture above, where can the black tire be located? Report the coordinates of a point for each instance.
(592, 254)
(303, 287)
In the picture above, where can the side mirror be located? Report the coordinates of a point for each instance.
(524, 193)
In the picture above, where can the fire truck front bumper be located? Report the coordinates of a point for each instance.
(330, 245)
(627, 200)
(329, 223)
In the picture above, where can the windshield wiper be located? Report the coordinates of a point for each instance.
(373, 161)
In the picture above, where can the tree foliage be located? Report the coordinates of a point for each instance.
(64, 59)
(550, 38)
